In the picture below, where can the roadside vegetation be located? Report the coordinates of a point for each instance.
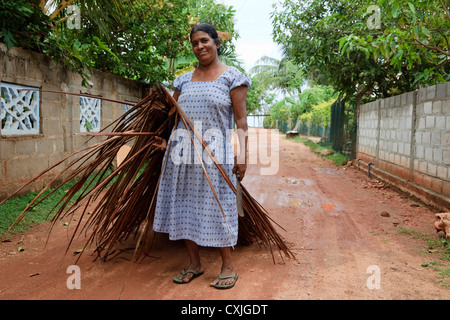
(11, 210)
(437, 251)
(324, 150)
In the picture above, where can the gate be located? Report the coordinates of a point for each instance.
(337, 136)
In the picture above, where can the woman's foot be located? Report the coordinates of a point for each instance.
(188, 274)
(226, 279)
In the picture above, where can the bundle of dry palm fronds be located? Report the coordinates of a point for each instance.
(126, 197)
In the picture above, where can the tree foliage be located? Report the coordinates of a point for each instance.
(280, 110)
(334, 44)
(309, 98)
(281, 74)
(144, 40)
(23, 24)
(136, 46)
(319, 115)
(255, 96)
(293, 108)
(410, 33)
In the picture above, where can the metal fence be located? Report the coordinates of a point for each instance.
(343, 127)
(337, 136)
(340, 134)
(312, 130)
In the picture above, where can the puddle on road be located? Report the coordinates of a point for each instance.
(298, 203)
(307, 204)
(328, 206)
(295, 181)
(302, 197)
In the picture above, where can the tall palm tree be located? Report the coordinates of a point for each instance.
(229, 57)
(279, 74)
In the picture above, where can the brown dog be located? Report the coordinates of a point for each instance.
(443, 224)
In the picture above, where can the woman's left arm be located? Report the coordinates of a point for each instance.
(239, 100)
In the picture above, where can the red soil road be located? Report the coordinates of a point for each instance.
(332, 221)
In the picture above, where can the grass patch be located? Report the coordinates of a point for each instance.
(437, 247)
(444, 277)
(45, 211)
(11, 209)
(325, 151)
(413, 233)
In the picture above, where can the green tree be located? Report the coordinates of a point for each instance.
(306, 100)
(23, 24)
(319, 115)
(143, 36)
(145, 40)
(335, 44)
(278, 74)
(280, 111)
(313, 32)
(255, 97)
(409, 33)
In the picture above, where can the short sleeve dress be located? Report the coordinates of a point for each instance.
(186, 207)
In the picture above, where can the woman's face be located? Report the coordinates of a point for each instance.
(204, 47)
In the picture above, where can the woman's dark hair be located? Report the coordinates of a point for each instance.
(210, 30)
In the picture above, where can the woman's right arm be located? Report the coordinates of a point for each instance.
(161, 143)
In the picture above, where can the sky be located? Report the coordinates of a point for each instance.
(255, 29)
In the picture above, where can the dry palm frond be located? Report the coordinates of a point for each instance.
(127, 195)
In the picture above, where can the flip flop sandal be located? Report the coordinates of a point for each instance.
(185, 272)
(226, 286)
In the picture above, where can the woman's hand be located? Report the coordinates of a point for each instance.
(240, 168)
(160, 143)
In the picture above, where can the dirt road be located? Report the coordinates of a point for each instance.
(332, 218)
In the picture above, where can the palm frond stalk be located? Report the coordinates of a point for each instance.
(127, 195)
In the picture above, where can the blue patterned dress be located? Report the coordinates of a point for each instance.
(186, 207)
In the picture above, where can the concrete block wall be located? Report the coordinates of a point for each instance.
(432, 139)
(395, 133)
(368, 130)
(407, 139)
(24, 156)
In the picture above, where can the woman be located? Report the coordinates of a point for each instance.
(186, 208)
